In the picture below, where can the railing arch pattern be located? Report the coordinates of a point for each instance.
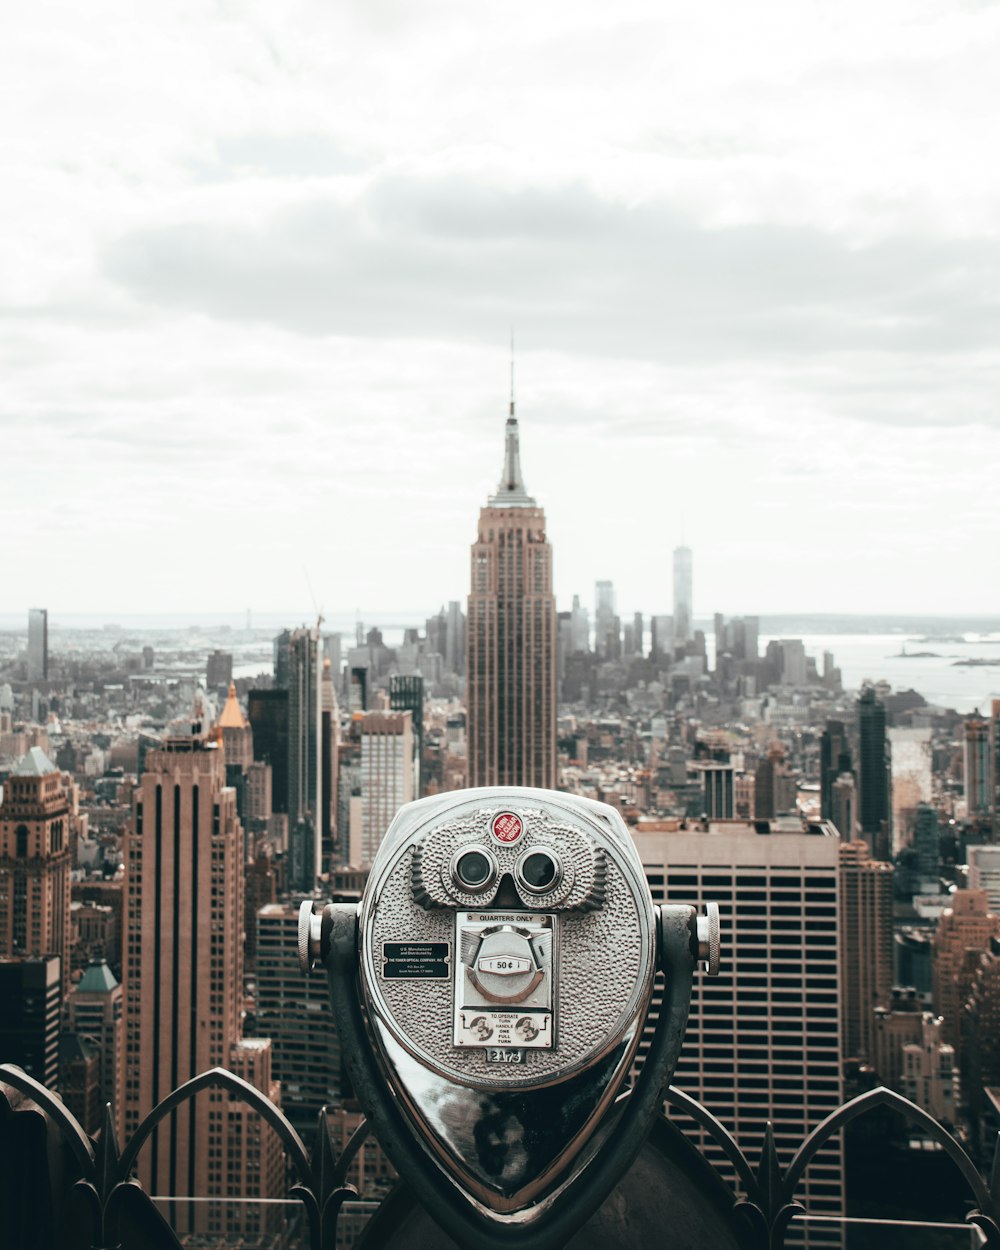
(769, 1201)
(106, 1181)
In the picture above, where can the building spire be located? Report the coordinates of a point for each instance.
(510, 492)
(232, 714)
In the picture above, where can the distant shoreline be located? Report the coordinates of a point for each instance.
(922, 629)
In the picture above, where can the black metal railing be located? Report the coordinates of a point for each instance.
(768, 1199)
(61, 1187)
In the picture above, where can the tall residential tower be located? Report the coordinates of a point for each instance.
(511, 638)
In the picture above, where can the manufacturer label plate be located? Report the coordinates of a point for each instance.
(416, 961)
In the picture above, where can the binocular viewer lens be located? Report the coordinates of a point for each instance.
(475, 870)
(538, 871)
(535, 872)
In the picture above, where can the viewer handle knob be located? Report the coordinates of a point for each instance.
(310, 936)
(709, 939)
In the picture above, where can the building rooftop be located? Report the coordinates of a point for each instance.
(794, 825)
(97, 979)
(232, 714)
(35, 764)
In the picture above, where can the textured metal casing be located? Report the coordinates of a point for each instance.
(605, 941)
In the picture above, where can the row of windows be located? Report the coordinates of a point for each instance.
(748, 880)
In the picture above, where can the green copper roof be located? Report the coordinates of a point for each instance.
(98, 978)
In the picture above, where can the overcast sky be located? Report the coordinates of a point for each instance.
(259, 263)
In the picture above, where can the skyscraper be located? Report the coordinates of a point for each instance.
(219, 670)
(911, 1057)
(606, 623)
(966, 926)
(844, 806)
(280, 650)
(232, 730)
(294, 1012)
(981, 1043)
(717, 783)
(511, 638)
(763, 1037)
(738, 637)
(454, 655)
(268, 711)
(661, 637)
(683, 629)
(977, 765)
(237, 736)
(38, 644)
(386, 780)
(94, 1009)
(638, 634)
(184, 981)
(29, 1022)
(995, 757)
(580, 631)
(984, 872)
(35, 863)
(330, 717)
(873, 772)
(775, 786)
(834, 759)
(406, 694)
(865, 945)
(927, 844)
(305, 772)
(910, 758)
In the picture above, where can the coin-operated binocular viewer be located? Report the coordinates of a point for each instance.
(490, 993)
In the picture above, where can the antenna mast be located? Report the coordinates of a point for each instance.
(512, 371)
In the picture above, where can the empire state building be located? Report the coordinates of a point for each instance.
(511, 638)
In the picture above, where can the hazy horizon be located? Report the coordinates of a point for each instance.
(14, 623)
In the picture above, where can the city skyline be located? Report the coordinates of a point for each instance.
(265, 263)
(747, 773)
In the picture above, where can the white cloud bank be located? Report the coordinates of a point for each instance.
(258, 264)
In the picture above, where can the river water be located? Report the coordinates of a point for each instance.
(937, 677)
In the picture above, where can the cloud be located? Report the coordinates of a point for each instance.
(260, 263)
(287, 155)
(452, 257)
